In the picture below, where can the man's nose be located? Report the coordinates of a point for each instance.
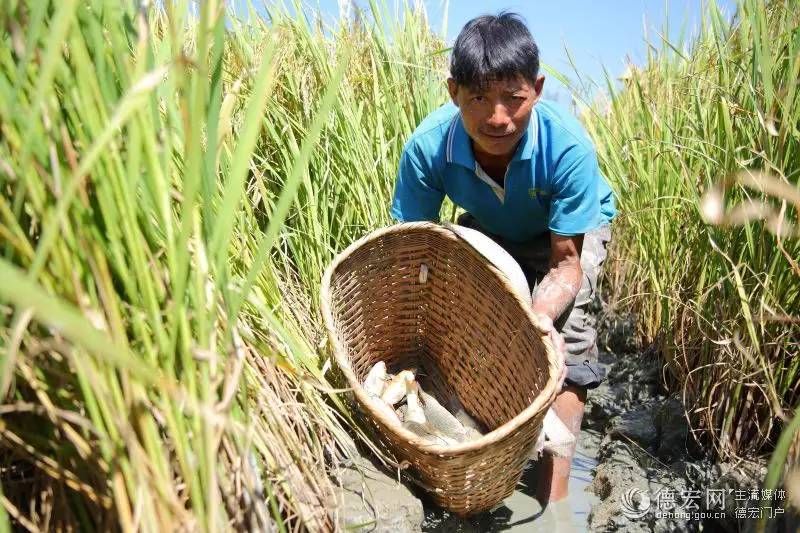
(499, 117)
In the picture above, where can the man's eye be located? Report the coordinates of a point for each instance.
(478, 98)
(518, 98)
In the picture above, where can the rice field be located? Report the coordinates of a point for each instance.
(174, 180)
(703, 148)
(173, 183)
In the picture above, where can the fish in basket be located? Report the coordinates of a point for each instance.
(428, 329)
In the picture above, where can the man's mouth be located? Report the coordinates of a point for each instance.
(499, 136)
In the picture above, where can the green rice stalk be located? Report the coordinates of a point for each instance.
(155, 402)
(720, 301)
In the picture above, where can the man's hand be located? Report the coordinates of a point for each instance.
(558, 345)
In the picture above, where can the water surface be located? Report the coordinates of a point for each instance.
(522, 512)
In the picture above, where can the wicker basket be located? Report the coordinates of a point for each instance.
(417, 295)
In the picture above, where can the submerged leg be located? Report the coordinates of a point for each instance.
(583, 372)
(554, 471)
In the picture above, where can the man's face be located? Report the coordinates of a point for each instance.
(496, 117)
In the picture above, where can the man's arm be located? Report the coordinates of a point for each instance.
(557, 290)
(574, 210)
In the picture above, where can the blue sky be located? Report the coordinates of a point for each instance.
(596, 32)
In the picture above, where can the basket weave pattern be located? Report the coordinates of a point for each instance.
(468, 334)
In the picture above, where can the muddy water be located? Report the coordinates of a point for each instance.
(522, 512)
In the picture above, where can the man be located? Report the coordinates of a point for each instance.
(526, 173)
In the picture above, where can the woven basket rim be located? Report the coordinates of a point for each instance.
(544, 398)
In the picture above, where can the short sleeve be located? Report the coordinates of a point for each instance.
(418, 195)
(575, 201)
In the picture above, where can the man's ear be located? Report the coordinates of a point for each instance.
(452, 88)
(538, 87)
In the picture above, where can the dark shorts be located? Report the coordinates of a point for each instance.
(575, 324)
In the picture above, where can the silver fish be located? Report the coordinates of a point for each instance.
(376, 379)
(414, 411)
(554, 438)
(559, 440)
(467, 421)
(429, 433)
(472, 434)
(397, 387)
(441, 419)
(472, 427)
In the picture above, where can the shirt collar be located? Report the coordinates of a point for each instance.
(459, 145)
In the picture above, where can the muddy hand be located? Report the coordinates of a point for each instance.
(546, 323)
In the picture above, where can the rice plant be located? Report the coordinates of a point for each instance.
(721, 301)
(173, 180)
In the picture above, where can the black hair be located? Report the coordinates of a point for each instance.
(491, 48)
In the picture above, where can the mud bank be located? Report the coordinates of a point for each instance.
(650, 476)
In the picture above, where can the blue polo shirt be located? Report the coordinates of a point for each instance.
(552, 183)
